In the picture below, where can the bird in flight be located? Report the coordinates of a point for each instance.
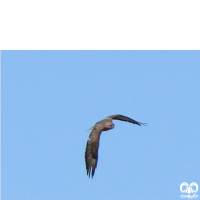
(91, 152)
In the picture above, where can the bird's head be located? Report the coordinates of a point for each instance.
(108, 126)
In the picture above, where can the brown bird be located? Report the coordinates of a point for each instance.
(91, 153)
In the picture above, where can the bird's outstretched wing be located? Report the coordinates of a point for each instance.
(91, 152)
(126, 119)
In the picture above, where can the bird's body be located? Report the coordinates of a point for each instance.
(91, 153)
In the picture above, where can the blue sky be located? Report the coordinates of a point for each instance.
(49, 99)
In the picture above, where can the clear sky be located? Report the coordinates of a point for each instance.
(50, 99)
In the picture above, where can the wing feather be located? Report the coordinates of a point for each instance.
(126, 119)
(91, 153)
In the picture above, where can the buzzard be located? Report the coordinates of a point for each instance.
(91, 153)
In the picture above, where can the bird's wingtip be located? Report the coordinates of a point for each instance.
(144, 124)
